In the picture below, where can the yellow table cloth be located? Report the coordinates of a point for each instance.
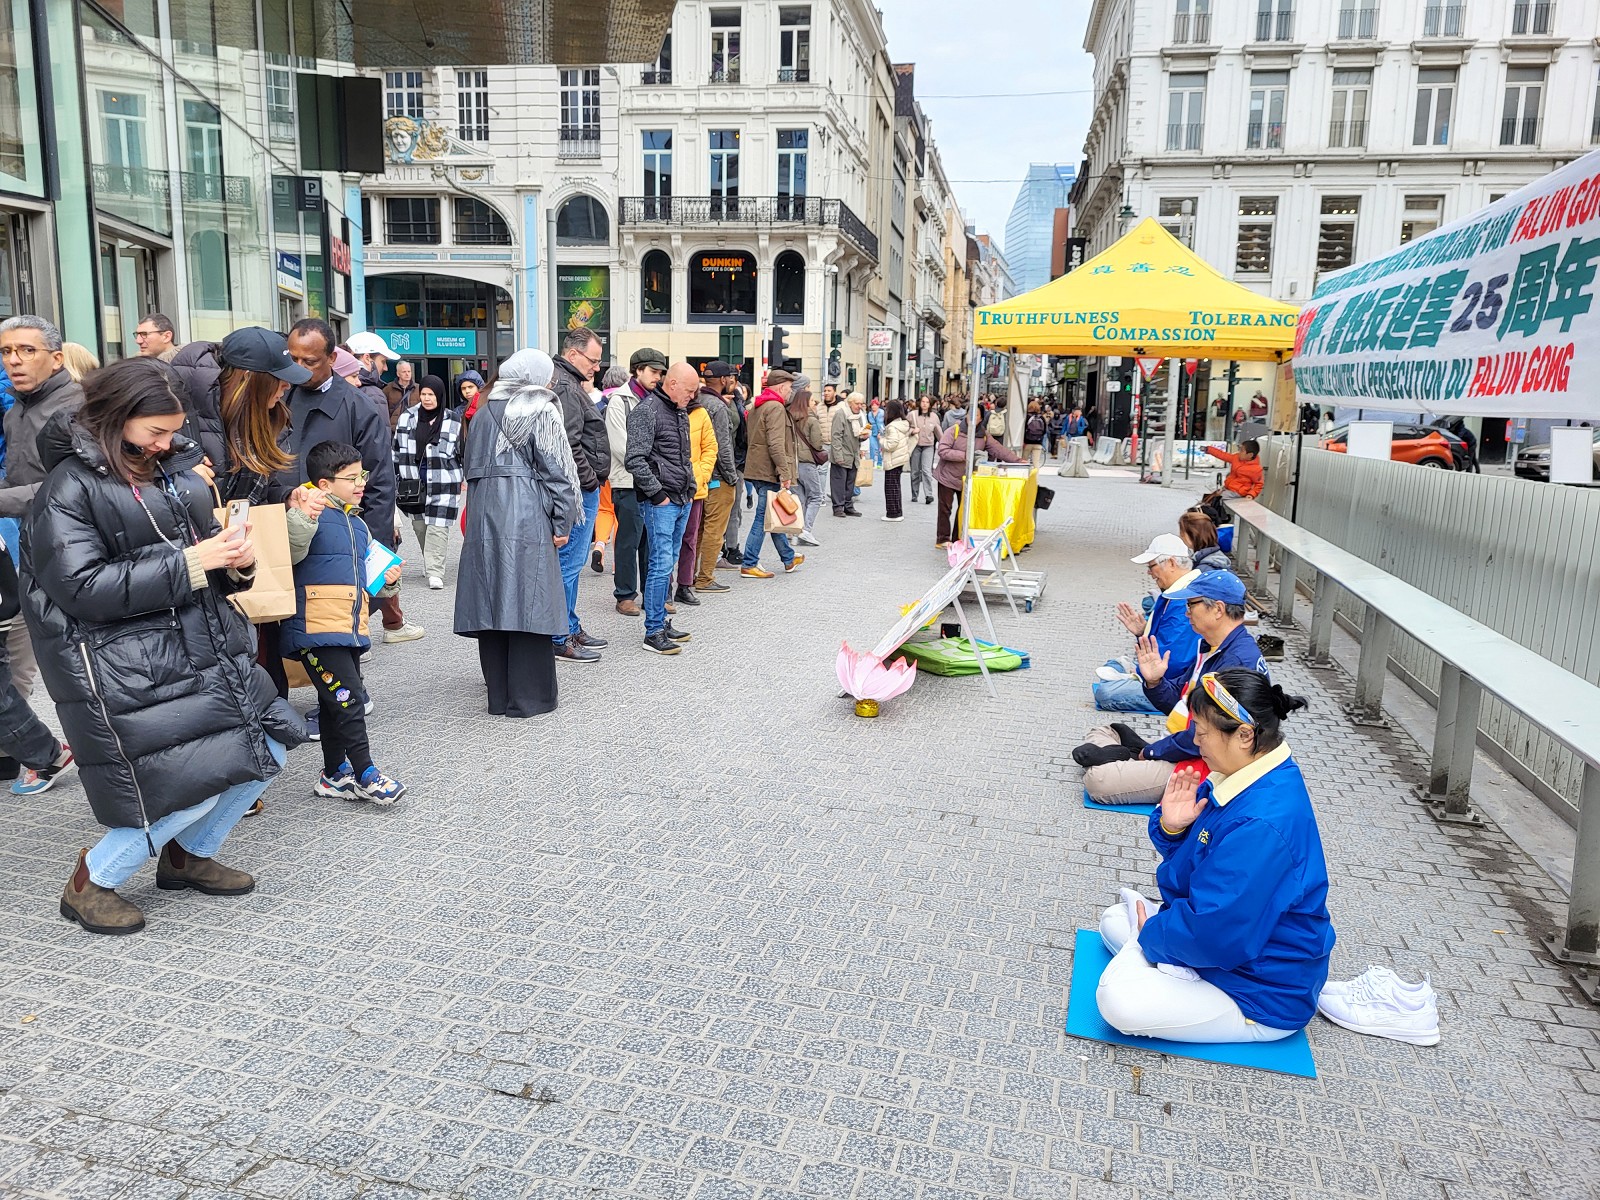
(993, 498)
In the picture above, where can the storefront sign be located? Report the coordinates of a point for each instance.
(453, 343)
(404, 341)
(339, 252)
(583, 300)
(291, 274)
(1492, 313)
(880, 340)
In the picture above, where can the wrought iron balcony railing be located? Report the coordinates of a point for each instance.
(1347, 134)
(142, 183)
(1442, 20)
(1358, 24)
(1520, 131)
(579, 141)
(1184, 137)
(1191, 28)
(768, 211)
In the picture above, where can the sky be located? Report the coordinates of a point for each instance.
(1016, 46)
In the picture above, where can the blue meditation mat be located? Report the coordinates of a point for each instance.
(1291, 1056)
(1139, 810)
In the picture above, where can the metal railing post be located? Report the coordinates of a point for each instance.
(1455, 742)
(1376, 634)
(1443, 730)
(1581, 942)
(1322, 608)
(1286, 573)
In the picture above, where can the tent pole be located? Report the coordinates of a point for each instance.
(964, 509)
(1169, 474)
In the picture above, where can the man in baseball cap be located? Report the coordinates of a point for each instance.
(1168, 563)
(368, 345)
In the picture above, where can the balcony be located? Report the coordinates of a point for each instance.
(1442, 20)
(141, 183)
(656, 78)
(1184, 137)
(1531, 18)
(579, 141)
(793, 75)
(1520, 131)
(1191, 29)
(1275, 27)
(1347, 135)
(1358, 24)
(1264, 135)
(723, 75)
(773, 212)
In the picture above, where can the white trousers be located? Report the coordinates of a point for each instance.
(1141, 1000)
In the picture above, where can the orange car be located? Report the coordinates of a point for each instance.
(1423, 445)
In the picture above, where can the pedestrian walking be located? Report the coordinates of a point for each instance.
(703, 461)
(715, 399)
(646, 367)
(951, 471)
(29, 753)
(663, 477)
(732, 553)
(772, 465)
(811, 451)
(464, 392)
(522, 500)
(175, 729)
(925, 424)
(875, 432)
(156, 337)
(844, 456)
(427, 449)
(897, 441)
(581, 355)
(1034, 429)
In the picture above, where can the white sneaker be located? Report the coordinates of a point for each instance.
(807, 538)
(1374, 1005)
(1110, 674)
(1380, 976)
(406, 633)
(435, 583)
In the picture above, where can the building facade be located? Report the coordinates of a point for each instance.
(1283, 138)
(1028, 229)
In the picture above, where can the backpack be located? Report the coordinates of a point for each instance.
(1036, 428)
(997, 426)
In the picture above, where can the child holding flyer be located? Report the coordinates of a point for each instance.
(336, 565)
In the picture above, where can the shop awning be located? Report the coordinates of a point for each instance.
(1147, 295)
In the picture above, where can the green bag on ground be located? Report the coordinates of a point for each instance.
(957, 656)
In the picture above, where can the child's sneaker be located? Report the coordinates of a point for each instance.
(33, 782)
(314, 725)
(378, 788)
(341, 785)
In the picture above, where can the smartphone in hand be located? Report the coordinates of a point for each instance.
(238, 513)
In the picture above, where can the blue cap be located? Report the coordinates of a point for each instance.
(1212, 585)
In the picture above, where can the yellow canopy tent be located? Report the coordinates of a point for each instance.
(1147, 295)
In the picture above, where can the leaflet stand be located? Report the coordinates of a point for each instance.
(1012, 582)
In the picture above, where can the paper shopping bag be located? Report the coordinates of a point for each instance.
(271, 597)
(784, 513)
(864, 473)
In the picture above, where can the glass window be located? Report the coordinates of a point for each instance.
(580, 110)
(1436, 93)
(661, 72)
(1169, 212)
(1257, 215)
(478, 224)
(724, 145)
(1269, 96)
(1186, 109)
(1531, 16)
(280, 99)
(472, 106)
(1358, 18)
(789, 286)
(1442, 19)
(1274, 20)
(127, 122)
(1423, 214)
(722, 283)
(1519, 119)
(1351, 90)
(657, 145)
(411, 220)
(1336, 235)
(402, 94)
(794, 45)
(792, 146)
(1192, 22)
(655, 286)
(394, 301)
(724, 45)
(582, 221)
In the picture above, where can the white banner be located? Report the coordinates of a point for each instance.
(1490, 316)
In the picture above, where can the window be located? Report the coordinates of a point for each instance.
(792, 144)
(655, 287)
(202, 137)
(657, 174)
(1519, 119)
(580, 112)
(1192, 23)
(1529, 17)
(724, 173)
(1351, 91)
(582, 221)
(724, 45)
(280, 98)
(478, 224)
(1274, 20)
(472, 106)
(122, 117)
(661, 72)
(1594, 124)
(402, 94)
(1358, 19)
(1257, 214)
(1269, 94)
(794, 45)
(722, 283)
(1442, 20)
(1336, 235)
(1186, 109)
(208, 270)
(789, 286)
(411, 220)
(1423, 214)
(1436, 92)
(1169, 211)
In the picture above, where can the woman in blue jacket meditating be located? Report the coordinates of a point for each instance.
(1237, 948)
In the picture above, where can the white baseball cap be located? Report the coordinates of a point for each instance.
(370, 343)
(1165, 545)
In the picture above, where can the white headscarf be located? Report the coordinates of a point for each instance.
(530, 413)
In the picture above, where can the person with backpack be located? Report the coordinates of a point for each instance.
(1033, 432)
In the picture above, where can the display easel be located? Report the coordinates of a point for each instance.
(946, 593)
(991, 574)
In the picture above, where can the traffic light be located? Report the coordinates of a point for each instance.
(833, 365)
(778, 347)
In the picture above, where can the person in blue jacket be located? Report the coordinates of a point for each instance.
(1120, 767)
(1170, 567)
(1237, 948)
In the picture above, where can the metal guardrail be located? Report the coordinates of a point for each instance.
(771, 211)
(1477, 661)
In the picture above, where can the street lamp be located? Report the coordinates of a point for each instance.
(1126, 217)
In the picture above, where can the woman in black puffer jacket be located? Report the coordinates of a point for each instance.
(126, 577)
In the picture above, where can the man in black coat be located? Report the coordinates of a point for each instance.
(581, 353)
(327, 409)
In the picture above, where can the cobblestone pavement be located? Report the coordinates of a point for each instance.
(705, 935)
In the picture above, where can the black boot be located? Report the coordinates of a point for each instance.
(685, 595)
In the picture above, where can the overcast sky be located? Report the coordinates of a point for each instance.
(960, 48)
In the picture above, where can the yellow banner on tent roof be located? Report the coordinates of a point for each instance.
(1146, 295)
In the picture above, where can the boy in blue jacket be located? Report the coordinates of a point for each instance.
(328, 632)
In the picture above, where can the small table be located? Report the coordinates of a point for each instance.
(993, 498)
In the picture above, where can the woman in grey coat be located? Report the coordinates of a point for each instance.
(522, 499)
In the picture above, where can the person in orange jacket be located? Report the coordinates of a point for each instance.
(1243, 481)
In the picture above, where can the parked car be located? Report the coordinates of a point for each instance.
(1423, 445)
(1533, 462)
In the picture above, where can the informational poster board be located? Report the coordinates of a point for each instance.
(940, 596)
(1572, 454)
(1370, 439)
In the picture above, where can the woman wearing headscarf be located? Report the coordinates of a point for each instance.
(427, 473)
(522, 499)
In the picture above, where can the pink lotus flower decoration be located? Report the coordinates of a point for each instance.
(865, 677)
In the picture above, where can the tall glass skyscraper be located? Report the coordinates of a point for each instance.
(1027, 246)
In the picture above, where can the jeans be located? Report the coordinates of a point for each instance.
(921, 471)
(812, 483)
(665, 524)
(200, 829)
(574, 554)
(713, 525)
(758, 519)
(435, 543)
(1122, 695)
(689, 554)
